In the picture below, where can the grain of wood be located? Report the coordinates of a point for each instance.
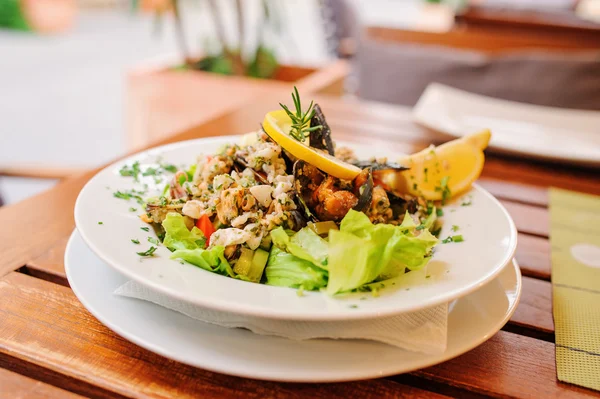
(535, 308)
(516, 192)
(44, 324)
(533, 255)
(16, 386)
(529, 219)
(508, 365)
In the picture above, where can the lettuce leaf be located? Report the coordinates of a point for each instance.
(189, 246)
(212, 259)
(361, 252)
(286, 270)
(305, 244)
(178, 236)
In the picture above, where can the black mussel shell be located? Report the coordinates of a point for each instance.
(320, 138)
(365, 193)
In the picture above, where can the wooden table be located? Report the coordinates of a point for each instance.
(50, 344)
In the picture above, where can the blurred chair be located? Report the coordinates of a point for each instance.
(396, 65)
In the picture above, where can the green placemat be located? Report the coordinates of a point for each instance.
(575, 241)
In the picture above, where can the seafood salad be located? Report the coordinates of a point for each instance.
(285, 206)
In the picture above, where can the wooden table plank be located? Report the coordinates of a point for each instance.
(529, 219)
(16, 386)
(44, 324)
(508, 365)
(516, 192)
(533, 255)
(535, 309)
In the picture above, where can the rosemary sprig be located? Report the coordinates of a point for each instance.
(300, 121)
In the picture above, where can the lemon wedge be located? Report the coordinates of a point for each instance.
(277, 125)
(438, 173)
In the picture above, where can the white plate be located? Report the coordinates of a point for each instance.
(472, 320)
(525, 129)
(455, 270)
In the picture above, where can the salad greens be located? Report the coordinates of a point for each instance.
(189, 246)
(356, 255)
(286, 270)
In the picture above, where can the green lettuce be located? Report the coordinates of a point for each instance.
(212, 259)
(287, 270)
(178, 236)
(305, 244)
(189, 246)
(361, 252)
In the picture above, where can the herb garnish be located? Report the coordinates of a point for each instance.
(130, 194)
(153, 240)
(169, 167)
(135, 241)
(133, 170)
(445, 190)
(455, 228)
(457, 238)
(439, 212)
(467, 203)
(145, 228)
(300, 121)
(132, 209)
(149, 252)
(100, 222)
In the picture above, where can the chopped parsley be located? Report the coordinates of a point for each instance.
(456, 238)
(455, 228)
(149, 252)
(153, 240)
(468, 202)
(439, 212)
(130, 194)
(151, 172)
(132, 209)
(445, 190)
(182, 179)
(429, 207)
(353, 306)
(133, 170)
(166, 189)
(425, 171)
(135, 241)
(100, 222)
(169, 167)
(145, 228)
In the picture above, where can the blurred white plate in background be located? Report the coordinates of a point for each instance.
(571, 136)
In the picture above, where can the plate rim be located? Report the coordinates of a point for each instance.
(266, 376)
(244, 309)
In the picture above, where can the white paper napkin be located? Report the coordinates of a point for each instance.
(421, 331)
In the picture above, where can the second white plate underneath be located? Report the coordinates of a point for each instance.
(558, 134)
(473, 319)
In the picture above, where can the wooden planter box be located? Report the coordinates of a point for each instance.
(162, 101)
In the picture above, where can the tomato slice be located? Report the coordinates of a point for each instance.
(207, 228)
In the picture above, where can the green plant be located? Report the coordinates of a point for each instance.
(237, 59)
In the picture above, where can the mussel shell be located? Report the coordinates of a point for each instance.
(365, 194)
(320, 138)
(303, 192)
